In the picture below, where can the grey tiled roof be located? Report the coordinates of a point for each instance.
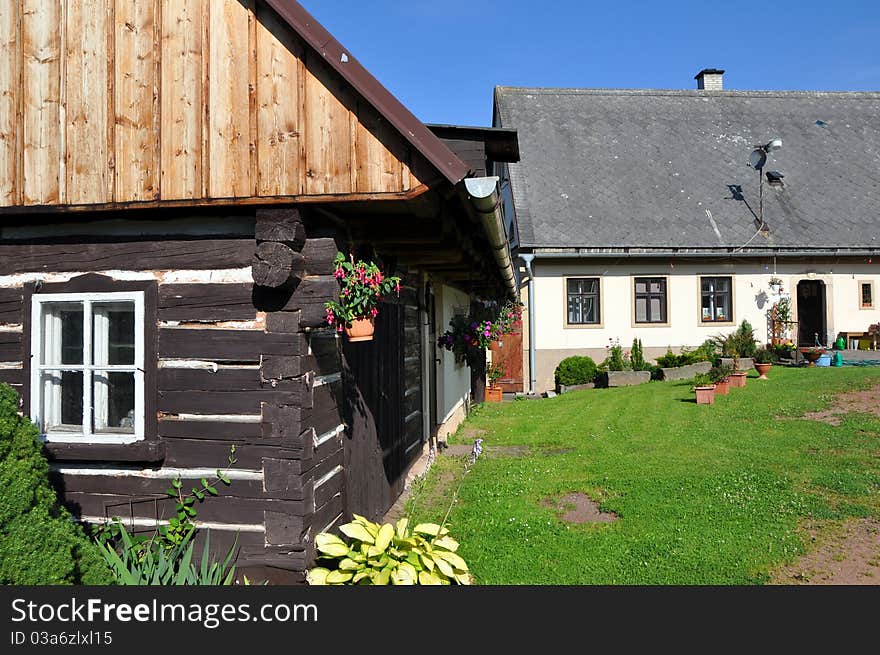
(655, 169)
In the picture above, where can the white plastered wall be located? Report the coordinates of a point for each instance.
(453, 378)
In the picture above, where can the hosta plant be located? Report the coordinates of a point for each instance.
(389, 554)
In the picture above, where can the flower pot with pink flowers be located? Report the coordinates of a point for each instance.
(363, 287)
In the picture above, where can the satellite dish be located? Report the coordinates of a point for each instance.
(757, 159)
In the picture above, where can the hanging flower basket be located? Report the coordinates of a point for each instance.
(364, 286)
(361, 329)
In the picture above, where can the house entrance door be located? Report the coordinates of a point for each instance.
(811, 313)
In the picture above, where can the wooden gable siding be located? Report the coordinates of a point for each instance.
(108, 102)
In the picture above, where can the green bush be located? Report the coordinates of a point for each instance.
(39, 542)
(575, 370)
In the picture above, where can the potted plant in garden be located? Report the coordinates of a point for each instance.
(364, 286)
(704, 389)
(494, 392)
(874, 333)
(720, 377)
(775, 285)
(764, 359)
(812, 354)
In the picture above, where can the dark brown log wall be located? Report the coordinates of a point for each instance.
(275, 392)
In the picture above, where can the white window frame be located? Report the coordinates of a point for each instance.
(88, 299)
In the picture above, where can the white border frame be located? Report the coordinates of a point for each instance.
(87, 436)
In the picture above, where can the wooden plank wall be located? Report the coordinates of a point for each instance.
(236, 365)
(129, 101)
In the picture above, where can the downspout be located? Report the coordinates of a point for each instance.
(533, 378)
(485, 200)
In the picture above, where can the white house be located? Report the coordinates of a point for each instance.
(640, 216)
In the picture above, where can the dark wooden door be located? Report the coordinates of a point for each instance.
(811, 312)
(382, 408)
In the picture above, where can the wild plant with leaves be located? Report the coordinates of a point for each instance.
(165, 555)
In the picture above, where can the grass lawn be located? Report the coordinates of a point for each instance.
(705, 494)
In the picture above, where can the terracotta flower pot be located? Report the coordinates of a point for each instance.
(361, 329)
(722, 388)
(737, 379)
(494, 394)
(762, 370)
(705, 395)
(812, 356)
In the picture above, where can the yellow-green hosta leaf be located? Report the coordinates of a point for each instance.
(382, 578)
(406, 574)
(370, 527)
(463, 578)
(317, 576)
(357, 531)
(426, 578)
(456, 560)
(330, 544)
(427, 561)
(430, 529)
(360, 575)
(402, 532)
(375, 551)
(348, 564)
(444, 566)
(338, 577)
(383, 539)
(413, 559)
(447, 542)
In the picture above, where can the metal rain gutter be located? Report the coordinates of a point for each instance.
(485, 200)
(533, 376)
(706, 255)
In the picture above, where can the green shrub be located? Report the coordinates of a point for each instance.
(720, 373)
(702, 380)
(616, 360)
(575, 370)
(637, 357)
(39, 542)
(765, 356)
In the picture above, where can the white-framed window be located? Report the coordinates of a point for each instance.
(87, 366)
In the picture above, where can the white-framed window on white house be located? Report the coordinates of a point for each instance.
(87, 366)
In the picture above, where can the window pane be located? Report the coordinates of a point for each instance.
(62, 400)
(113, 401)
(722, 306)
(641, 310)
(867, 296)
(656, 312)
(589, 310)
(574, 286)
(574, 310)
(708, 308)
(62, 341)
(113, 333)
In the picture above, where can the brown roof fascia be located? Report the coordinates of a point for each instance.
(342, 61)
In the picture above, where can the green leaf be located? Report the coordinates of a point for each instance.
(338, 577)
(386, 532)
(317, 576)
(402, 532)
(448, 543)
(427, 561)
(357, 531)
(176, 483)
(372, 528)
(348, 564)
(211, 490)
(444, 566)
(171, 492)
(330, 544)
(455, 560)
(426, 578)
(430, 529)
(204, 482)
(190, 512)
(382, 578)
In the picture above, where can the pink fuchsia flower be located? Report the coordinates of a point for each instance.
(339, 274)
(374, 312)
(397, 288)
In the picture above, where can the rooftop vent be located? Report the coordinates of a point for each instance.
(710, 79)
(775, 178)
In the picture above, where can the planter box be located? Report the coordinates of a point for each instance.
(494, 394)
(738, 380)
(562, 388)
(611, 379)
(686, 372)
(705, 395)
(722, 388)
(745, 363)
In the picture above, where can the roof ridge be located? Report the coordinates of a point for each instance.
(862, 95)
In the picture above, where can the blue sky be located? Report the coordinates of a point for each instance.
(443, 58)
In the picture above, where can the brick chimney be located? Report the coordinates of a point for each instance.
(710, 79)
